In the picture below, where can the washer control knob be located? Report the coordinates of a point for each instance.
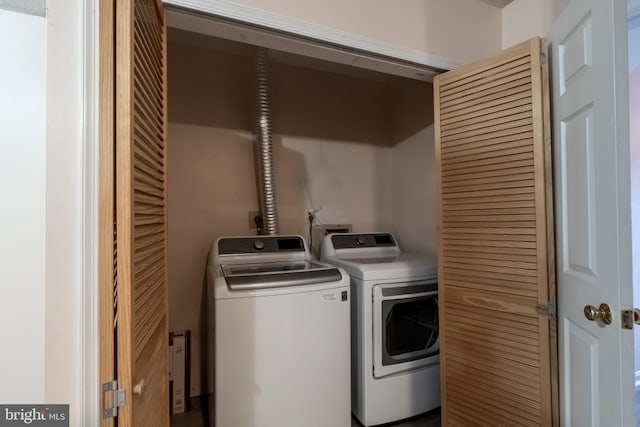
(360, 240)
(258, 245)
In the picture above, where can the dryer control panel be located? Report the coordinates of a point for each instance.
(369, 240)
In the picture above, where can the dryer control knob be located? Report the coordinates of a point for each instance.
(258, 244)
(360, 240)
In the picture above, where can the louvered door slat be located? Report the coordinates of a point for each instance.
(150, 44)
(493, 152)
(493, 264)
(509, 134)
(473, 319)
(510, 372)
(491, 216)
(513, 407)
(152, 102)
(515, 91)
(505, 124)
(500, 104)
(505, 369)
(146, 64)
(467, 279)
(147, 120)
(489, 81)
(480, 73)
(483, 260)
(486, 415)
(141, 220)
(457, 419)
(479, 150)
(495, 285)
(485, 176)
(471, 95)
(475, 127)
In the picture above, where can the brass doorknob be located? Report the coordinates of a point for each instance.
(602, 313)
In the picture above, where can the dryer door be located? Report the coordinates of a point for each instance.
(405, 326)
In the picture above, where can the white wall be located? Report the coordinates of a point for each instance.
(66, 146)
(524, 19)
(41, 184)
(23, 83)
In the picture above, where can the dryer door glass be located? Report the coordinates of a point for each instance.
(410, 329)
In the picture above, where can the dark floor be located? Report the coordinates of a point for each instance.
(196, 417)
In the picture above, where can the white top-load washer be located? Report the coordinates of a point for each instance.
(280, 332)
(394, 317)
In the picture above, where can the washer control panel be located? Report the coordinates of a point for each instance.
(260, 244)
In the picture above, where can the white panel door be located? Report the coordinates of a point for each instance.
(592, 204)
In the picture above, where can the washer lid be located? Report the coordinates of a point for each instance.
(278, 274)
(403, 265)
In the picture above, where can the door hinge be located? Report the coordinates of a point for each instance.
(543, 59)
(629, 317)
(112, 398)
(547, 309)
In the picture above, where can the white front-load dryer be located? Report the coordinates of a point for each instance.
(394, 322)
(280, 335)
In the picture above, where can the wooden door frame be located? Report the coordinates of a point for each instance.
(106, 196)
(88, 19)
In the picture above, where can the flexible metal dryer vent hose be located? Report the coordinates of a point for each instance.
(264, 149)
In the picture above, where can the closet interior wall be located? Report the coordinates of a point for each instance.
(354, 145)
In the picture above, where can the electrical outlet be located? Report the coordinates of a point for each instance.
(252, 218)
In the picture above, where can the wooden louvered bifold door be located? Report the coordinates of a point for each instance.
(496, 260)
(141, 220)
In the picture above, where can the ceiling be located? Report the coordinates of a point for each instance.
(497, 3)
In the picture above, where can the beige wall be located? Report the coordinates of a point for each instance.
(524, 19)
(414, 178)
(458, 29)
(358, 151)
